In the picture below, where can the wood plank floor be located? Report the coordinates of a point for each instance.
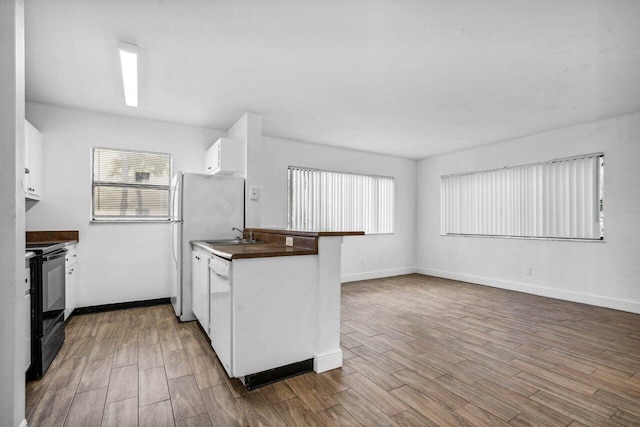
(419, 351)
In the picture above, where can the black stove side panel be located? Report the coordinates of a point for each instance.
(35, 371)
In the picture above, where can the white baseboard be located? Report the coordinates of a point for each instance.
(23, 423)
(376, 274)
(327, 361)
(597, 300)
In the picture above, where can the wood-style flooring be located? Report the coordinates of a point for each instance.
(419, 351)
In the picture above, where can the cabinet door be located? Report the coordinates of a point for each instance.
(27, 157)
(33, 162)
(200, 288)
(211, 159)
(36, 165)
(71, 282)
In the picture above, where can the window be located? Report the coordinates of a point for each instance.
(130, 185)
(556, 199)
(334, 201)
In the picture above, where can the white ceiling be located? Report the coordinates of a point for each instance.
(407, 78)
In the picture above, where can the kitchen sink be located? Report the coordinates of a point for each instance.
(230, 242)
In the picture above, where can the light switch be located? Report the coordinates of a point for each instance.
(254, 193)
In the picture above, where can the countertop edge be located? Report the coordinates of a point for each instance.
(267, 254)
(306, 233)
(52, 236)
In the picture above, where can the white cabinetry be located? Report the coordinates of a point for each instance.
(71, 282)
(225, 157)
(263, 312)
(200, 286)
(33, 162)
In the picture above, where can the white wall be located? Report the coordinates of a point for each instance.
(116, 262)
(249, 129)
(383, 255)
(606, 274)
(12, 314)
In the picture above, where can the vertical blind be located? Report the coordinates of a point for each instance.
(555, 199)
(130, 185)
(334, 201)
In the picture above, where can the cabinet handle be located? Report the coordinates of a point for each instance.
(26, 170)
(208, 167)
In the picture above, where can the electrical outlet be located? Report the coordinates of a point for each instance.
(288, 241)
(254, 193)
(527, 271)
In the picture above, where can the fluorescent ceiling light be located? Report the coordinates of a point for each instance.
(129, 63)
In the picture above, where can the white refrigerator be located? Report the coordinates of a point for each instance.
(203, 207)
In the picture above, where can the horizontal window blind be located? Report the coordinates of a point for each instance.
(555, 199)
(335, 201)
(130, 185)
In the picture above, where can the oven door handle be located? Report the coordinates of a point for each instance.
(55, 256)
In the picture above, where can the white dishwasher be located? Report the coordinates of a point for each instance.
(220, 305)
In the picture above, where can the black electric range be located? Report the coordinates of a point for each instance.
(48, 278)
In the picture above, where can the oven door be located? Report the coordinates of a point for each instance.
(53, 289)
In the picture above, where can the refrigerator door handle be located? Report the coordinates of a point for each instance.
(173, 244)
(173, 201)
(174, 220)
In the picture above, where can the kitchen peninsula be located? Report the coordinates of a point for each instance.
(274, 305)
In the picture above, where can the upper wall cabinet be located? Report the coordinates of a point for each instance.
(32, 162)
(225, 157)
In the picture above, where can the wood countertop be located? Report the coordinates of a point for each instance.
(253, 250)
(53, 236)
(273, 243)
(305, 233)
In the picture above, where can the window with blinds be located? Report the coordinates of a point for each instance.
(130, 185)
(557, 199)
(335, 201)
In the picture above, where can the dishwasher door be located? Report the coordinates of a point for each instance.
(221, 310)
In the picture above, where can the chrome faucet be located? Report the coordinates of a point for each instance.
(242, 233)
(239, 231)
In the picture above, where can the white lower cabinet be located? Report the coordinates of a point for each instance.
(200, 286)
(263, 312)
(71, 282)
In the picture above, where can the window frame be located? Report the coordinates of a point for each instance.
(599, 200)
(393, 208)
(146, 220)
